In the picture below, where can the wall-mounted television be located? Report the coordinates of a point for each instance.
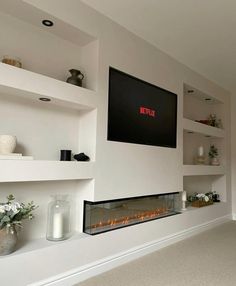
(140, 112)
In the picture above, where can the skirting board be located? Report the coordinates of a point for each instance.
(98, 267)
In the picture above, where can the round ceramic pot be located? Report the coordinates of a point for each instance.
(7, 144)
(215, 162)
(8, 240)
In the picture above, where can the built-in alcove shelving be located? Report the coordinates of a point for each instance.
(42, 129)
(198, 105)
(67, 121)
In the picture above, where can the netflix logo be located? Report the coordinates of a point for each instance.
(147, 111)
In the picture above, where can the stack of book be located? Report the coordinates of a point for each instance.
(15, 156)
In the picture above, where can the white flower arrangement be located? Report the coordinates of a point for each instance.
(201, 197)
(12, 213)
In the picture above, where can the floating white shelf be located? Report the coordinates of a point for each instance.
(201, 170)
(21, 171)
(204, 129)
(30, 85)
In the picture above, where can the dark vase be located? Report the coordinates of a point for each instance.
(76, 77)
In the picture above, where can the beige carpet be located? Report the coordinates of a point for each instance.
(208, 259)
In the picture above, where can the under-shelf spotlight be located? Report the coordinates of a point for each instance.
(190, 91)
(47, 23)
(190, 132)
(45, 99)
(208, 99)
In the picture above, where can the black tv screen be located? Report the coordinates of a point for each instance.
(140, 112)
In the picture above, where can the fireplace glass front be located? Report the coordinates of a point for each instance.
(109, 215)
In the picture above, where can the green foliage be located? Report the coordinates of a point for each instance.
(12, 212)
(213, 152)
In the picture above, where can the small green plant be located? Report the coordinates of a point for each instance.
(213, 152)
(12, 212)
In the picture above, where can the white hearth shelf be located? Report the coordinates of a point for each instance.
(26, 248)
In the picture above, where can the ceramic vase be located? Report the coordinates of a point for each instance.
(8, 240)
(7, 144)
(76, 77)
(215, 162)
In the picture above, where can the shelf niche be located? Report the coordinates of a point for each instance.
(199, 105)
(49, 51)
(206, 183)
(43, 129)
(191, 142)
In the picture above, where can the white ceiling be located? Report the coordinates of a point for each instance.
(199, 33)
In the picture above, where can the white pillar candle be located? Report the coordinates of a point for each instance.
(184, 196)
(57, 225)
(200, 151)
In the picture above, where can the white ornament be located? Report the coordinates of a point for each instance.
(7, 144)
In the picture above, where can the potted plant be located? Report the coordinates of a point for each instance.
(214, 121)
(213, 155)
(11, 215)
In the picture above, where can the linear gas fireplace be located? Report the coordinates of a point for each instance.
(109, 215)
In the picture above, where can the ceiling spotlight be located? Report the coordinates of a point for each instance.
(208, 99)
(190, 91)
(190, 132)
(45, 99)
(47, 23)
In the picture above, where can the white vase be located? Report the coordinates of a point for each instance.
(7, 144)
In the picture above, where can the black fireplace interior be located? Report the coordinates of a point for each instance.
(109, 215)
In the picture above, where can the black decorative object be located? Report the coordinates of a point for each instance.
(216, 198)
(76, 77)
(81, 157)
(65, 155)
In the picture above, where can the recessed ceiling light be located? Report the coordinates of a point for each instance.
(47, 23)
(190, 91)
(45, 99)
(190, 132)
(208, 99)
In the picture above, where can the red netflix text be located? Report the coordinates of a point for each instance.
(147, 111)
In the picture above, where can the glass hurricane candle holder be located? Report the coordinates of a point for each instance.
(58, 222)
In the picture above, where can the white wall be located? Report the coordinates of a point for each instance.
(233, 153)
(147, 169)
(122, 169)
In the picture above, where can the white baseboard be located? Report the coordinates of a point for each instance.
(74, 276)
